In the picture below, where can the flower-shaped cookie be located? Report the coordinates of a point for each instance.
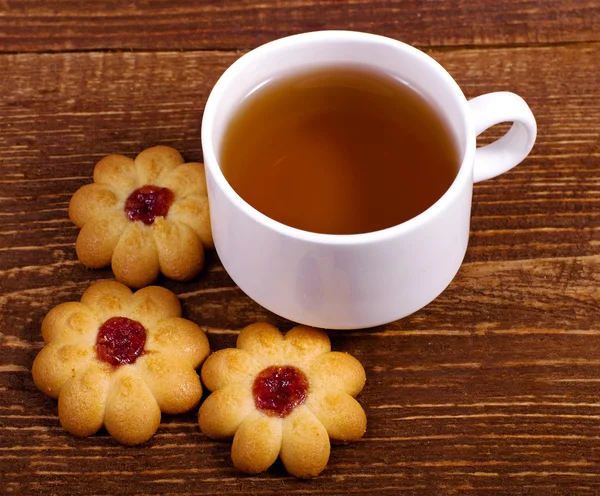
(118, 359)
(144, 216)
(282, 396)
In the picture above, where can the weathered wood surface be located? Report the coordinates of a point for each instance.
(491, 389)
(42, 25)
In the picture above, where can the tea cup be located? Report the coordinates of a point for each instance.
(358, 280)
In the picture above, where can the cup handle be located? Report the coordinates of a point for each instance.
(509, 150)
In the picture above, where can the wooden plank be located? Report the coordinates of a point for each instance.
(491, 389)
(63, 112)
(484, 407)
(54, 25)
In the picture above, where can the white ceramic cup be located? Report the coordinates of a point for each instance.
(359, 280)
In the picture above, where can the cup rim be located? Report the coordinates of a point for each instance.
(465, 171)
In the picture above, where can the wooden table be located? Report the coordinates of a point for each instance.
(494, 388)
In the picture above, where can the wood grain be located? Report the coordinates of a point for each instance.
(55, 25)
(491, 389)
(66, 111)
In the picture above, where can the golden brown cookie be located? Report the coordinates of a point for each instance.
(282, 396)
(144, 216)
(119, 359)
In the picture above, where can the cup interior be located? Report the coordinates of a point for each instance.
(323, 49)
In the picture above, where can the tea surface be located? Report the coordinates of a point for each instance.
(338, 151)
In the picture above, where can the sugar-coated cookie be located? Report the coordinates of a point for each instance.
(144, 216)
(282, 397)
(119, 359)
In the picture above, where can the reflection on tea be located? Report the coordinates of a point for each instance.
(338, 151)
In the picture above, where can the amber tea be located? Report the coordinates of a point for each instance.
(339, 151)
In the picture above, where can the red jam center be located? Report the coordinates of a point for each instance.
(147, 203)
(278, 390)
(120, 341)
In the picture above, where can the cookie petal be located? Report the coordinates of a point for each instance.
(97, 239)
(223, 411)
(92, 201)
(153, 304)
(107, 299)
(339, 369)
(82, 401)
(256, 443)
(135, 260)
(229, 366)
(132, 414)
(305, 446)
(264, 341)
(67, 321)
(341, 415)
(57, 363)
(180, 252)
(117, 172)
(304, 343)
(175, 386)
(194, 212)
(186, 180)
(155, 162)
(181, 337)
